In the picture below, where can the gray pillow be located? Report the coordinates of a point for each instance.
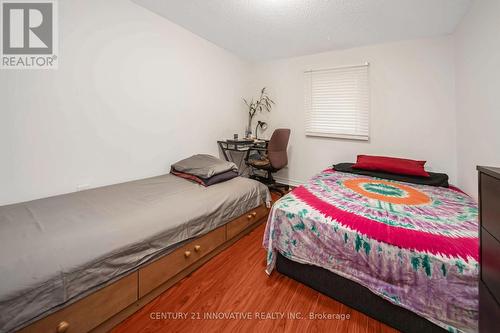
(204, 166)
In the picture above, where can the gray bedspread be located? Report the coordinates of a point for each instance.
(54, 251)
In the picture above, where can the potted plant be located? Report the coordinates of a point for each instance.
(264, 102)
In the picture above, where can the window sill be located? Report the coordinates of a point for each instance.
(339, 136)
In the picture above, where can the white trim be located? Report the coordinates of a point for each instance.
(287, 181)
(339, 136)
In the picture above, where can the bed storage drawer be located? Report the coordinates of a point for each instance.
(89, 312)
(244, 221)
(160, 271)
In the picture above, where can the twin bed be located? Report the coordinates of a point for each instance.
(352, 236)
(57, 251)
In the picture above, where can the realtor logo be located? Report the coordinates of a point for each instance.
(29, 34)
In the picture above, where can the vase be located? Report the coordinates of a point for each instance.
(248, 130)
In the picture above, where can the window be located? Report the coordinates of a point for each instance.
(337, 102)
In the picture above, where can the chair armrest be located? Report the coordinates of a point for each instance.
(247, 155)
(258, 148)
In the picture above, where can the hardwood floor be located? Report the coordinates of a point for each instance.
(234, 283)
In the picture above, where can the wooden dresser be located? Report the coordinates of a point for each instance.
(489, 284)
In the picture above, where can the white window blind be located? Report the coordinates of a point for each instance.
(337, 102)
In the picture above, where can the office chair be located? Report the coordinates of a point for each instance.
(274, 159)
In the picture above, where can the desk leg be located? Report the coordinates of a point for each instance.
(221, 146)
(241, 161)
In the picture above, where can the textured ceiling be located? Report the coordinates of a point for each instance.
(260, 30)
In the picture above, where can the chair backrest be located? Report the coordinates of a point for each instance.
(276, 149)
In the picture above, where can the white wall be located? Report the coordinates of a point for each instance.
(412, 105)
(478, 91)
(133, 93)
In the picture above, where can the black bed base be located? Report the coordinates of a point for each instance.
(355, 296)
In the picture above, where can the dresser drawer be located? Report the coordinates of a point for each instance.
(489, 310)
(490, 263)
(89, 312)
(237, 226)
(160, 271)
(490, 204)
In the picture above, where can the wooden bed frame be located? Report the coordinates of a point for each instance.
(107, 307)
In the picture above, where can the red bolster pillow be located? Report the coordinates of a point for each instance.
(395, 165)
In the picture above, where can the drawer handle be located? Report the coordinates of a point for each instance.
(249, 216)
(254, 214)
(187, 254)
(197, 248)
(62, 327)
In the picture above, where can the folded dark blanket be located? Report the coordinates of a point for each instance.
(435, 179)
(219, 178)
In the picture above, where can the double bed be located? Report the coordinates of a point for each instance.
(56, 251)
(410, 251)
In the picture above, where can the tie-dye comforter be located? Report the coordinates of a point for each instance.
(414, 245)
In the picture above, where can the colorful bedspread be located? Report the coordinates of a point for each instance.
(414, 245)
